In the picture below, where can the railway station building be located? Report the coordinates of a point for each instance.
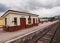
(16, 20)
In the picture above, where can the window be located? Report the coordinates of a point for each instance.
(5, 21)
(15, 20)
(36, 20)
(29, 20)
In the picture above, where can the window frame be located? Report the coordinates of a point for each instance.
(29, 20)
(15, 20)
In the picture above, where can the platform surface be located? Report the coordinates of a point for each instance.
(4, 36)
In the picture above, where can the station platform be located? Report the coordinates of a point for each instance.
(6, 36)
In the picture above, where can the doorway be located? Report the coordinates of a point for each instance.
(23, 22)
(33, 21)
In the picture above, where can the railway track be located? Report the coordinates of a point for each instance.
(49, 36)
(44, 36)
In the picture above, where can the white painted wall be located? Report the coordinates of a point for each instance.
(10, 18)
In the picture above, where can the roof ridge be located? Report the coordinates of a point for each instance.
(22, 12)
(18, 12)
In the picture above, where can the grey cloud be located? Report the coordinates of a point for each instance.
(57, 3)
(35, 4)
(31, 5)
(3, 8)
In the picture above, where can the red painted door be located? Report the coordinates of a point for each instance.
(33, 21)
(23, 22)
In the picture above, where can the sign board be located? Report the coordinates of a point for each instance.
(22, 16)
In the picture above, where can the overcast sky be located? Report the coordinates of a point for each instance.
(44, 8)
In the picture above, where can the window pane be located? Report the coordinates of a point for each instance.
(15, 20)
(29, 20)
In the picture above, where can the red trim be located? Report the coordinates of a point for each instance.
(28, 26)
(12, 28)
(15, 28)
(36, 24)
(5, 28)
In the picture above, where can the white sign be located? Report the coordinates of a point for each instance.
(22, 16)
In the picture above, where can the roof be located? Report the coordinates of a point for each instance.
(17, 12)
